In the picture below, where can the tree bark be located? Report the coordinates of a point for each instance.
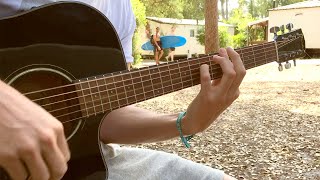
(211, 26)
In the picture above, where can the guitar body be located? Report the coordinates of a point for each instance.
(57, 45)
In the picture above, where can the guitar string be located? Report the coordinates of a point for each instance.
(150, 69)
(131, 96)
(109, 103)
(163, 65)
(103, 110)
(159, 66)
(125, 91)
(87, 113)
(138, 78)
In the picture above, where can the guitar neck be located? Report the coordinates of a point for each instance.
(112, 91)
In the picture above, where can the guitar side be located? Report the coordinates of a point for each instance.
(54, 45)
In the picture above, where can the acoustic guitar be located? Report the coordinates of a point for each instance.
(66, 57)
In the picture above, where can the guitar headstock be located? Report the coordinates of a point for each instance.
(290, 46)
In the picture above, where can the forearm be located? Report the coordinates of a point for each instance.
(133, 125)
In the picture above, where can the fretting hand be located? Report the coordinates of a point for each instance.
(217, 95)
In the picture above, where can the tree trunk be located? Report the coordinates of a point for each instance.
(211, 26)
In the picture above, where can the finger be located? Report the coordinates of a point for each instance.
(216, 82)
(223, 53)
(35, 165)
(62, 143)
(205, 77)
(238, 67)
(16, 169)
(228, 72)
(235, 58)
(55, 160)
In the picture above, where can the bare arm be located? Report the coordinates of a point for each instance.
(31, 140)
(133, 125)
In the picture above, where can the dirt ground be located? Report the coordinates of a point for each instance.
(271, 132)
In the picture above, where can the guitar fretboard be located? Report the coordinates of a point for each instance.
(112, 91)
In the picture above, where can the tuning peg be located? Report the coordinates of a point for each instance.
(294, 63)
(289, 26)
(287, 65)
(282, 28)
(275, 31)
(280, 68)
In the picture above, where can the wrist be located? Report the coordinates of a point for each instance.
(189, 127)
(184, 138)
(186, 126)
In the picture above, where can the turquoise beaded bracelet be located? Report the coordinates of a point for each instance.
(183, 139)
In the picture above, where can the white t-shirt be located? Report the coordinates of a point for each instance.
(119, 12)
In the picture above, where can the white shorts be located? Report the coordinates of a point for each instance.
(135, 164)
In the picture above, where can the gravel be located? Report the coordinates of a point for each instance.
(272, 131)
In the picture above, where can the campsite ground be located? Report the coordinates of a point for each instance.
(271, 132)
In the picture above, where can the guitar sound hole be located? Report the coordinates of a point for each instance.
(54, 93)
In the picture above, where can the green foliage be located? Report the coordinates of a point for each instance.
(225, 38)
(259, 8)
(164, 8)
(240, 19)
(140, 13)
(181, 9)
(193, 9)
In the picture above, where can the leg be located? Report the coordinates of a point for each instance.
(172, 55)
(156, 57)
(168, 54)
(134, 163)
(161, 53)
(129, 66)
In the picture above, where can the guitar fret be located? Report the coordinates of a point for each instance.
(165, 75)
(144, 92)
(137, 86)
(106, 85)
(113, 92)
(176, 83)
(100, 97)
(130, 90)
(190, 73)
(265, 54)
(118, 85)
(157, 81)
(161, 80)
(135, 93)
(172, 88)
(84, 98)
(187, 82)
(151, 82)
(91, 95)
(125, 91)
(254, 59)
(180, 75)
(117, 90)
(97, 96)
